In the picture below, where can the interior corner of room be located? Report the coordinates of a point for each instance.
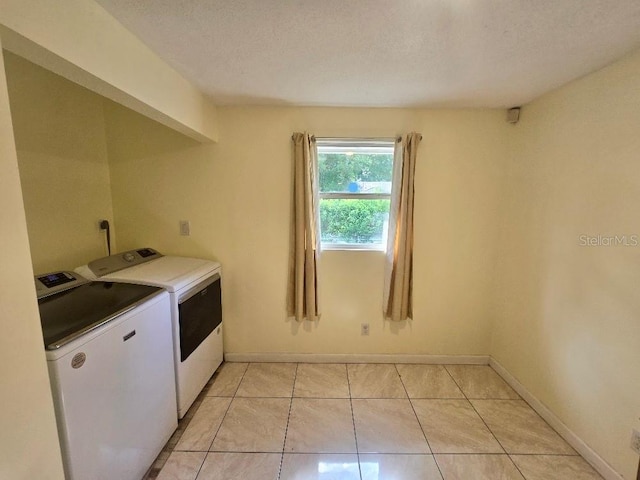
(525, 244)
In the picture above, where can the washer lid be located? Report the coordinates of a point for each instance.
(171, 273)
(68, 315)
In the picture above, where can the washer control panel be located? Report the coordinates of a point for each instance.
(55, 282)
(113, 263)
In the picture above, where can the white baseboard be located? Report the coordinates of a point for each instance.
(565, 432)
(357, 358)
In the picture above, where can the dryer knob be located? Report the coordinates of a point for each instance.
(129, 257)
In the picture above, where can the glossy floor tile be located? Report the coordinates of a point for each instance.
(387, 426)
(182, 466)
(253, 425)
(204, 425)
(321, 380)
(241, 466)
(478, 467)
(519, 428)
(267, 380)
(428, 381)
(226, 380)
(320, 425)
(283, 421)
(453, 426)
(481, 381)
(398, 467)
(323, 466)
(552, 467)
(375, 381)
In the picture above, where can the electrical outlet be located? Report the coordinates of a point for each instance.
(364, 329)
(635, 441)
(185, 227)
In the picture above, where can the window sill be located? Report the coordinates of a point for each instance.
(352, 247)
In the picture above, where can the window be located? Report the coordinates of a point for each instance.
(355, 192)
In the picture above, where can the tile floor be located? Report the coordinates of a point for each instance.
(287, 421)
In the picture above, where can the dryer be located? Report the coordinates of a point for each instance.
(194, 286)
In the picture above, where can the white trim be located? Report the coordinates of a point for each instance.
(357, 358)
(354, 247)
(354, 196)
(339, 145)
(565, 432)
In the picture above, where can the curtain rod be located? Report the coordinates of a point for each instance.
(358, 139)
(397, 139)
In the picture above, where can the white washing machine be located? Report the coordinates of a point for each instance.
(108, 349)
(194, 286)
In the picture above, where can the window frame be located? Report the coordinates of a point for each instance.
(349, 145)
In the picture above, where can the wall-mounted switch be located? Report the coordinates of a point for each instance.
(185, 227)
(364, 329)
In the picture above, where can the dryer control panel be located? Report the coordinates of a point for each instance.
(113, 263)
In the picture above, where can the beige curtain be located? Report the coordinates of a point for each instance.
(304, 247)
(398, 275)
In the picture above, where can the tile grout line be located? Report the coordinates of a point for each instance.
(186, 420)
(241, 379)
(227, 410)
(204, 459)
(418, 420)
(537, 414)
(353, 421)
(576, 454)
(286, 429)
(221, 421)
(485, 423)
(201, 465)
(188, 417)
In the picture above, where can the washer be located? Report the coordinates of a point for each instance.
(194, 286)
(111, 372)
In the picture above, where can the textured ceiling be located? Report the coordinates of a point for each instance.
(455, 53)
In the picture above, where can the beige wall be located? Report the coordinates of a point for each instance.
(567, 317)
(236, 195)
(29, 445)
(62, 156)
(79, 40)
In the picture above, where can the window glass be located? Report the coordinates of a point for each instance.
(355, 188)
(354, 221)
(355, 171)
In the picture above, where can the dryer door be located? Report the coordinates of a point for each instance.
(200, 312)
